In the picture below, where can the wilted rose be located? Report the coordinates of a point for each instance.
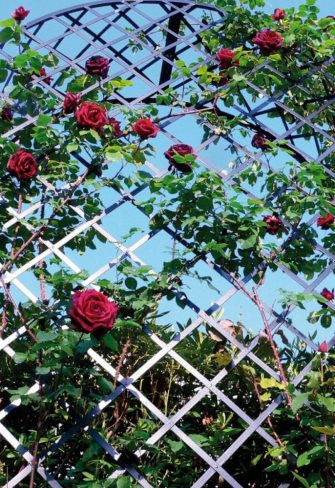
(259, 141)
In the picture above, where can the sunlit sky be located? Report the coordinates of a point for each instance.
(38, 8)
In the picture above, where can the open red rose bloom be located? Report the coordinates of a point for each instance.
(91, 116)
(268, 41)
(23, 165)
(145, 128)
(225, 57)
(98, 66)
(325, 222)
(92, 311)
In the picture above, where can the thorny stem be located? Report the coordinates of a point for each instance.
(16, 231)
(269, 421)
(43, 227)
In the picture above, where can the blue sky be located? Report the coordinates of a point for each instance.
(38, 8)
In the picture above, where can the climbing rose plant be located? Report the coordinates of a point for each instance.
(218, 223)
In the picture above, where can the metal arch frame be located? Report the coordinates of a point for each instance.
(255, 425)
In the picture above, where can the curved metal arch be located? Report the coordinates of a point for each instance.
(103, 3)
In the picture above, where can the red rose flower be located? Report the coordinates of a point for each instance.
(145, 128)
(325, 222)
(98, 66)
(7, 114)
(268, 41)
(225, 57)
(273, 223)
(223, 80)
(259, 141)
(181, 150)
(20, 14)
(323, 347)
(71, 102)
(47, 79)
(279, 14)
(92, 311)
(327, 294)
(91, 116)
(23, 165)
(115, 124)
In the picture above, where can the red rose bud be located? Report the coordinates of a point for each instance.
(323, 347)
(268, 41)
(181, 150)
(279, 14)
(327, 294)
(91, 116)
(71, 102)
(325, 222)
(20, 14)
(145, 128)
(225, 57)
(47, 79)
(22, 165)
(92, 311)
(115, 124)
(98, 66)
(259, 141)
(7, 114)
(273, 223)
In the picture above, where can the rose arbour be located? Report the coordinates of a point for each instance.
(167, 246)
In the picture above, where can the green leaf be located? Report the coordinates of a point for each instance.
(325, 430)
(124, 482)
(44, 120)
(302, 480)
(43, 370)
(175, 445)
(20, 357)
(131, 283)
(298, 401)
(7, 23)
(249, 242)
(327, 402)
(111, 342)
(45, 336)
(310, 456)
(5, 35)
(271, 383)
(326, 321)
